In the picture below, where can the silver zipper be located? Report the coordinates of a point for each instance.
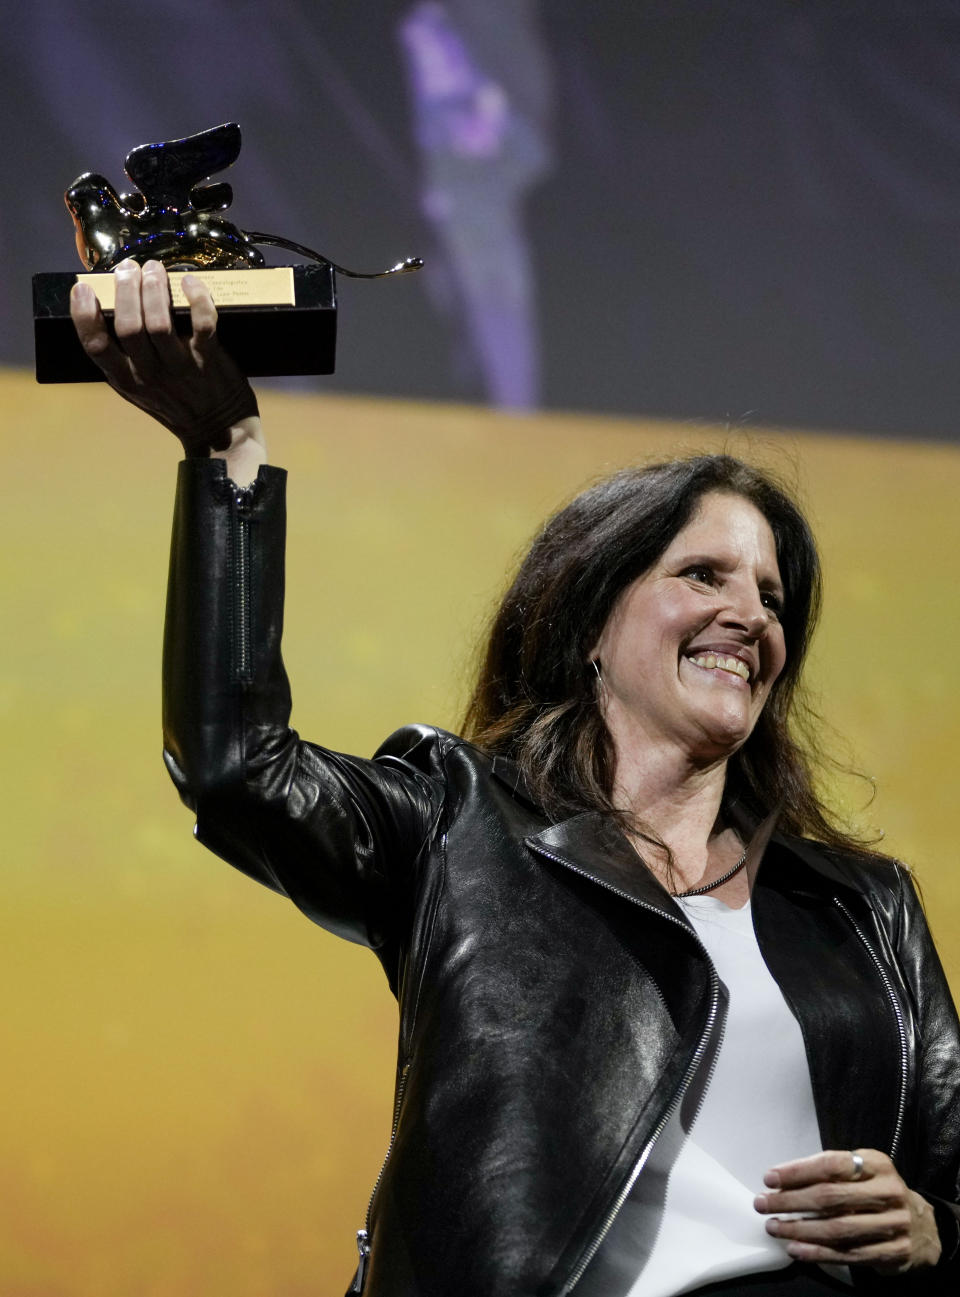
(363, 1235)
(363, 1248)
(241, 591)
(681, 1090)
(901, 1028)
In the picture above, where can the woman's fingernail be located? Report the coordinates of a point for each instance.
(82, 294)
(772, 1179)
(773, 1226)
(760, 1202)
(152, 266)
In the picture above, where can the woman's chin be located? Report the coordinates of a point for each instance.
(721, 735)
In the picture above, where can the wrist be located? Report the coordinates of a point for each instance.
(947, 1228)
(221, 427)
(246, 451)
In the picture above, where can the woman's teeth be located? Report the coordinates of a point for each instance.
(712, 660)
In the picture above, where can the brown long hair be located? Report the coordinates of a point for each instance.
(535, 698)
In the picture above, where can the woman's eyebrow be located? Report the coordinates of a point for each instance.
(708, 558)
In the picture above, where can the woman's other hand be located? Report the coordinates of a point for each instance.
(190, 384)
(859, 1214)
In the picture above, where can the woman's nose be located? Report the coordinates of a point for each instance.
(746, 609)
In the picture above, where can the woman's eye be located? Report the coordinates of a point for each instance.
(699, 572)
(771, 601)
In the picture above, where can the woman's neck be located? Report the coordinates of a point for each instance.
(679, 803)
(666, 790)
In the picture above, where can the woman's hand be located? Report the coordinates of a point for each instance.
(858, 1215)
(190, 385)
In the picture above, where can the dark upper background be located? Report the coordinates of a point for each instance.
(738, 210)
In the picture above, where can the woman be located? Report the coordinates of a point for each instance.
(600, 1085)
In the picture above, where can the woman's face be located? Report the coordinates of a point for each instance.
(693, 647)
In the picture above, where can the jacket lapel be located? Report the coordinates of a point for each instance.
(593, 846)
(824, 866)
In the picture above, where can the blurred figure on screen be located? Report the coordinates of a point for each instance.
(480, 85)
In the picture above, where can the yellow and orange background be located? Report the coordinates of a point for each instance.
(196, 1081)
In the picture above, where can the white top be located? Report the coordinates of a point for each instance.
(690, 1219)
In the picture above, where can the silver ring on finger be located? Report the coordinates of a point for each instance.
(857, 1166)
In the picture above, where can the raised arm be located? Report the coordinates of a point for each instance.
(339, 835)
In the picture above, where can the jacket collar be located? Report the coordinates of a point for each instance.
(822, 861)
(812, 854)
(593, 845)
(596, 847)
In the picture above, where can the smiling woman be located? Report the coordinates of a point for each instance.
(633, 956)
(632, 597)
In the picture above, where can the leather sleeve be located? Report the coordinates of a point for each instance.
(938, 1068)
(338, 835)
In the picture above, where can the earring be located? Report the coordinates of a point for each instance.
(599, 687)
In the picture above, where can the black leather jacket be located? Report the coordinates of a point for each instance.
(553, 999)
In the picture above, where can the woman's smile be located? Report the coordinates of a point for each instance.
(726, 668)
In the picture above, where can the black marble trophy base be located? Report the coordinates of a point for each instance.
(263, 340)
